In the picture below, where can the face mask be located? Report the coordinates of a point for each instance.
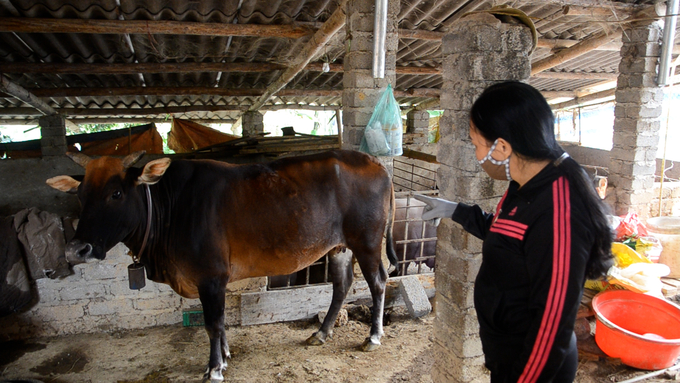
(498, 170)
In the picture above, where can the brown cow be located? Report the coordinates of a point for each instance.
(213, 223)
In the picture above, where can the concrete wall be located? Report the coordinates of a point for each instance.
(22, 185)
(97, 298)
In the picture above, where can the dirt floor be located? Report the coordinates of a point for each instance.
(264, 353)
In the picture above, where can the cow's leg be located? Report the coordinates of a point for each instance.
(212, 293)
(340, 270)
(376, 278)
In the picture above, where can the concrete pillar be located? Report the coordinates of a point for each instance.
(478, 51)
(360, 90)
(252, 123)
(637, 119)
(53, 135)
(418, 124)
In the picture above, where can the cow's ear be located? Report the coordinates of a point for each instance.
(64, 183)
(153, 171)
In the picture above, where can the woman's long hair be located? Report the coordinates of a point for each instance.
(519, 114)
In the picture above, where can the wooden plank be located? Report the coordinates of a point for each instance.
(306, 302)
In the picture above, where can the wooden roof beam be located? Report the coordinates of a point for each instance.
(210, 91)
(311, 49)
(80, 68)
(160, 27)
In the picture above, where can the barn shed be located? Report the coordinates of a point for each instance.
(65, 64)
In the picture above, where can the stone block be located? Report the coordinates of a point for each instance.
(414, 296)
(78, 291)
(351, 137)
(450, 368)
(103, 271)
(461, 321)
(641, 49)
(460, 293)
(248, 285)
(362, 98)
(650, 33)
(357, 6)
(357, 78)
(156, 304)
(359, 24)
(518, 38)
(109, 307)
(460, 265)
(462, 345)
(356, 117)
(61, 314)
(359, 59)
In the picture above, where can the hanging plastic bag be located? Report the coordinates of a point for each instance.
(383, 134)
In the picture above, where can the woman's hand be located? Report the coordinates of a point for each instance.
(436, 208)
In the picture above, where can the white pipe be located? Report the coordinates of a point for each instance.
(670, 21)
(379, 37)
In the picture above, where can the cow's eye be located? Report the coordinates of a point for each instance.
(116, 194)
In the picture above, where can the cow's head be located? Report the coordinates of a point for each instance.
(112, 201)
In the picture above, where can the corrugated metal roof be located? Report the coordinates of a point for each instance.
(422, 15)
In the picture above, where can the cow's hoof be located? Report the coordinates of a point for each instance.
(316, 340)
(369, 345)
(213, 375)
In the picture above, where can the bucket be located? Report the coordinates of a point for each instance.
(667, 231)
(641, 330)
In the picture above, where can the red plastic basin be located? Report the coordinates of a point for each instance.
(641, 330)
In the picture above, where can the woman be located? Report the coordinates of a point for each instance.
(550, 231)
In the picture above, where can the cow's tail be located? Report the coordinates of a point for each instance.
(389, 245)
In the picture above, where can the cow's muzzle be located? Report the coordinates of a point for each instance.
(78, 251)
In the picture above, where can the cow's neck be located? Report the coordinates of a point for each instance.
(140, 241)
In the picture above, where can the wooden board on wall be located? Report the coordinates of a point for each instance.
(306, 302)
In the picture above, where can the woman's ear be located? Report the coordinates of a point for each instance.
(504, 148)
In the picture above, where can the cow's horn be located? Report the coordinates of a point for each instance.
(79, 158)
(132, 158)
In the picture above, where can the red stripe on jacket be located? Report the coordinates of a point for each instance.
(558, 284)
(510, 228)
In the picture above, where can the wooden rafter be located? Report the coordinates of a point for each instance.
(585, 99)
(160, 27)
(25, 96)
(576, 75)
(577, 50)
(311, 49)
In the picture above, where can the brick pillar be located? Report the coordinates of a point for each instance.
(637, 119)
(418, 124)
(360, 90)
(478, 51)
(252, 123)
(53, 135)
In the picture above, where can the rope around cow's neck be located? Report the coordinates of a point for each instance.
(137, 257)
